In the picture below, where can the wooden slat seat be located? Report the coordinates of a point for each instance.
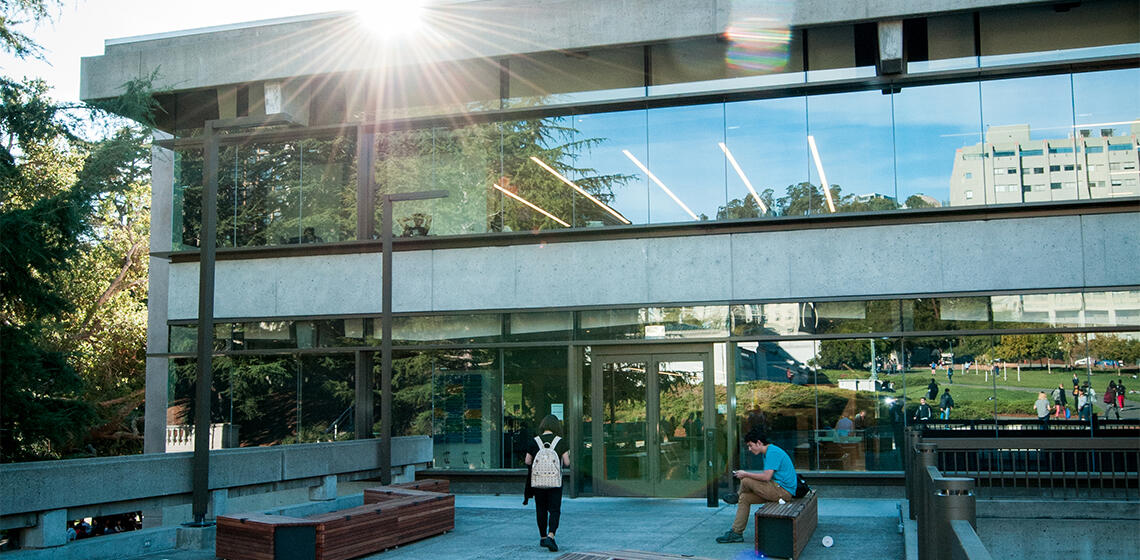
(783, 530)
(391, 516)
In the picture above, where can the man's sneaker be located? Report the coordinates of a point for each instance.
(730, 536)
(731, 498)
(544, 542)
(553, 546)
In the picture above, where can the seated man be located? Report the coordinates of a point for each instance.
(776, 482)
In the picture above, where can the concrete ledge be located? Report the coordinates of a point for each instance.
(107, 547)
(1098, 510)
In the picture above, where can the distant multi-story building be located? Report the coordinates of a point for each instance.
(1012, 167)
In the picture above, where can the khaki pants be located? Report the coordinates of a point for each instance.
(754, 491)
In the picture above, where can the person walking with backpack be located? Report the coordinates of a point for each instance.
(946, 404)
(546, 454)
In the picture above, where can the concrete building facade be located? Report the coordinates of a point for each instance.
(636, 236)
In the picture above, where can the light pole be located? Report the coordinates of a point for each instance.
(386, 201)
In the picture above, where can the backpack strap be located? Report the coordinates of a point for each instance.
(554, 442)
(538, 440)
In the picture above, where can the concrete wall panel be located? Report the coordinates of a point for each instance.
(476, 278)
(689, 268)
(1011, 254)
(1112, 249)
(1064, 253)
(340, 284)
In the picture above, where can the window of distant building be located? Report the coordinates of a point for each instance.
(1004, 154)
(969, 175)
(1094, 149)
(1054, 168)
(1069, 167)
(1038, 170)
(1061, 150)
(969, 195)
(1119, 147)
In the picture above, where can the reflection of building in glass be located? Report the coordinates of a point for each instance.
(1010, 167)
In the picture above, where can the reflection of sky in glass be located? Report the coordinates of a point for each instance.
(931, 123)
(868, 142)
(684, 154)
(767, 138)
(853, 133)
(617, 132)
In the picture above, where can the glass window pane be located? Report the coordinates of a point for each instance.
(600, 155)
(946, 314)
(436, 89)
(933, 151)
(686, 159)
(875, 316)
(181, 406)
(541, 326)
(1028, 123)
(328, 190)
(186, 218)
(766, 139)
(709, 64)
(463, 161)
(551, 78)
(654, 322)
(537, 155)
(465, 409)
(328, 391)
(1112, 309)
(768, 399)
(1042, 33)
(853, 143)
(1107, 122)
(1037, 310)
(534, 385)
(443, 328)
(264, 398)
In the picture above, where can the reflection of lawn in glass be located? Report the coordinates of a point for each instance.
(971, 390)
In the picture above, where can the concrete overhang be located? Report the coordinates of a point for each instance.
(454, 30)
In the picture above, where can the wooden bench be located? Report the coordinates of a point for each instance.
(391, 516)
(783, 530)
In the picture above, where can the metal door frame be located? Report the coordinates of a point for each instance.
(650, 354)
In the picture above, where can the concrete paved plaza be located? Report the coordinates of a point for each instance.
(494, 527)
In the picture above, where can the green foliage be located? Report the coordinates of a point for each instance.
(74, 223)
(918, 201)
(18, 12)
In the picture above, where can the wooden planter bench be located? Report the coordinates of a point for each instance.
(391, 516)
(783, 530)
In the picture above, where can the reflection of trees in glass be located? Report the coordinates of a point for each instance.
(412, 382)
(1029, 347)
(467, 161)
(850, 354)
(802, 199)
(301, 191)
(1115, 348)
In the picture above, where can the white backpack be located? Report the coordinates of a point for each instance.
(546, 468)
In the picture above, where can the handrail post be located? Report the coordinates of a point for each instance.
(952, 499)
(911, 470)
(925, 460)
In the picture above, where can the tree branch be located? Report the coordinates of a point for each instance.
(116, 286)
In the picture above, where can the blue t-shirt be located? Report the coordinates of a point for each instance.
(777, 459)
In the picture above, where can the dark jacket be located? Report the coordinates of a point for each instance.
(947, 401)
(923, 412)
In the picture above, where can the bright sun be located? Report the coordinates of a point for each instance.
(390, 18)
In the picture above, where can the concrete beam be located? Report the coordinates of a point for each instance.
(50, 530)
(337, 42)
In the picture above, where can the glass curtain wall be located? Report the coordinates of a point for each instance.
(1003, 141)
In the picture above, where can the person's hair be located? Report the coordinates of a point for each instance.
(552, 424)
(756, 434)
(1041, 394)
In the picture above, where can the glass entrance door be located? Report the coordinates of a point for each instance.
(652, 408)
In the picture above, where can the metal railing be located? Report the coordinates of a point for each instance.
(946, 511)
(1102, 464)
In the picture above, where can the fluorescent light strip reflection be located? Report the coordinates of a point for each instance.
(747, 183)
(822, 175)
(604, 206)
(659, 183)
(527, 202)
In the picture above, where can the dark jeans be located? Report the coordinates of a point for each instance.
(548, 508)
(1044, 421)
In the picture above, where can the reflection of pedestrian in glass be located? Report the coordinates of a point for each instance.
(1110, 408)
(1041, 407)
(1076, 381)
(844, 426)
(1120, 392)
(946, 404)
(1082, 405)
(950, 374)
(1060, 402)
(932, 390)
(547, 501)
(923, 412)
(309, 235)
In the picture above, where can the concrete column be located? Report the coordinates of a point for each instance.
(891, 47)
(324, 492)
(50, 530)
(157, 336)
